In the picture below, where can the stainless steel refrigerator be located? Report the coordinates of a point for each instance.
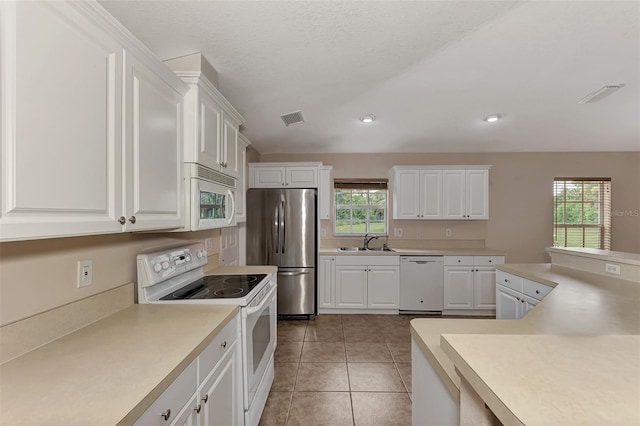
(281, 231)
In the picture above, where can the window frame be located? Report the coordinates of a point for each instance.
(603, 204)
(367, 207)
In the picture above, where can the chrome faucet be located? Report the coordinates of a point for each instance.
(367, 240)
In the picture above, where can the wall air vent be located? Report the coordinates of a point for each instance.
(601, 93)
(292, 118)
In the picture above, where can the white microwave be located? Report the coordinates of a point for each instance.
(209, 198)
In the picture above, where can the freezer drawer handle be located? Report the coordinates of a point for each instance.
(293, 274)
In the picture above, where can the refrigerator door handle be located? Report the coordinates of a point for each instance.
(277, 226)
(284, 227)
(293, 274)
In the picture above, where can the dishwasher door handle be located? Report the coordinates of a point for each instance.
(421, 262)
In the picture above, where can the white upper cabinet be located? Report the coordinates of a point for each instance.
(212, 124)
(324, 193)
(72, 164)
(284, 175)
(440, 192)
(241, 183)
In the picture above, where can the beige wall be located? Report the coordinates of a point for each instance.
(36, 276)
(520, 204)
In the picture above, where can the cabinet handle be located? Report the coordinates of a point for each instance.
(132, 219)
(224, 344)
(122, 220)
(198, 408)
(206, 398)
(166, 414)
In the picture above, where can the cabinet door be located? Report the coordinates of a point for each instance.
(406, 199)
(268, 177)
(477, 194)
(153, 169)
(458, 288)
(484, 288)
(325, 191)
(383, 283)
(507, 303)
(453, 194)
(526, 305)
(230, 148)
(351, 286)
(61, 123)
(210, 142)
(229, 247)
(301, 177)
(327, 282)
(431, 194)
(188, 416)
(220, 395)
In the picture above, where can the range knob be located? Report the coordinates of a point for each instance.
(157, 267)
(201, 254)
(188, 258)
(165, 265)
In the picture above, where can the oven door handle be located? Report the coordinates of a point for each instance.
(252, 310)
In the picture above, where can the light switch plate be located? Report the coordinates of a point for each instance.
(447, 232)
(208, 243)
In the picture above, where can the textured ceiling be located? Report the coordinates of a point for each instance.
(429, 70)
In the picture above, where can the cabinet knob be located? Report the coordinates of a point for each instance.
(206, 398)
(490, 261)
(166, 414)
(506, 280)
(459, 260)
(132, 219)
(122, 220)
(198, 408)
(518, 299)
(522, 301)
(537, 291)
(224, 344)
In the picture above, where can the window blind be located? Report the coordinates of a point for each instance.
(361, 183)
(582, 212)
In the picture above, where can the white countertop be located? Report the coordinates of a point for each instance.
(581, 305)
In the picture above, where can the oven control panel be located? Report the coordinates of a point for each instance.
(166, 264)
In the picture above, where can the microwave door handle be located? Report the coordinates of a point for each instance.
(233, 206)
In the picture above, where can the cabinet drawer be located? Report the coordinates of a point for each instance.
(508, 280)
(220, 345)
(383, 260)
(535, 290)
(458, 260)
(488, 260)
(173, 399)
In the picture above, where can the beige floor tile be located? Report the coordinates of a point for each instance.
(323, 352)
(359, 320)
(405, 373)
(368, 352)
(276, 409)
(362, 334)
(288, 352)
(374, 377)
(322, 377)
(383, 409)
(324, 333)
(401, 352)
(326, 319)
(285, 376)
(291, 333)
(397, 336)
(320, 408)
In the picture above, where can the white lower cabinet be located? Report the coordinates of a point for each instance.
(469, 282)
(209, 391)
(367, 282)
(327, 282)
(516, 296)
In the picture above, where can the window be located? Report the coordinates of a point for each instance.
(582, 212)
(361, 206)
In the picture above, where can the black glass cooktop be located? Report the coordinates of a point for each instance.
(217, 287)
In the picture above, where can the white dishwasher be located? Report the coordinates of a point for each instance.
(421, 283)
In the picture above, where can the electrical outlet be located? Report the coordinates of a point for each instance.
(323, 232)
(612, 269)
(447, 232)
(397, 232)
(208, 243)
(85, 273)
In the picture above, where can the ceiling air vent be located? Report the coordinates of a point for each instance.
(601, 93)
(292, 118)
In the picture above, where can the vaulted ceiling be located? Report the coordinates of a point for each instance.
(429, 71)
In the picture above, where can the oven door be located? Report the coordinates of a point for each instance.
(259, 331)
(212, 205)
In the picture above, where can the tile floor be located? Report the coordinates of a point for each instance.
(342, 370)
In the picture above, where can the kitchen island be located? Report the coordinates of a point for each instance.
(520, 368)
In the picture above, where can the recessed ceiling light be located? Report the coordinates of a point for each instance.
(368, 118)
(492, 118)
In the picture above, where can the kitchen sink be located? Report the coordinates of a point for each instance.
(352, 249)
